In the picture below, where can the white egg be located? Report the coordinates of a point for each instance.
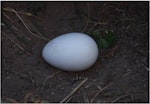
(71, 52)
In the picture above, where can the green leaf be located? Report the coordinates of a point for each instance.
(109, 37)
(104, 41)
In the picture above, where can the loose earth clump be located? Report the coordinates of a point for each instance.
(120, 73)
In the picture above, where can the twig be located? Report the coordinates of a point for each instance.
(16, 44)
(26, 25)
(87, 18)
(100, 91)
(74, 90)
(120, 97)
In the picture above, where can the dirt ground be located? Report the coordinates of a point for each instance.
(120, 74)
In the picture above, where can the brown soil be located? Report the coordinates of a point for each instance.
(120, 74)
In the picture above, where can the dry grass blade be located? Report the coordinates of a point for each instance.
(16, 44)
(100, 91)
(11, 21)
(98, 23)
(27, 96)
(85, 97)
(25, 13)
(122, 96)
(74, 90)
(132, 98)
(16, 28)
(6, 16)
(26, 76)
(30, 96)
(103, 8)
(35, 29)
(11, 100)
(139, 26)
(132, 20)
(68, 99)
(26, 25)
(87, 18)
(50, 76)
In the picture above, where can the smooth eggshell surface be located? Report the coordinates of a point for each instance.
(71, 52)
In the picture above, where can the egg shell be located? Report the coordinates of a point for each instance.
(71, 52)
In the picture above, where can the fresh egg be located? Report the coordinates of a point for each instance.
(71, 52)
